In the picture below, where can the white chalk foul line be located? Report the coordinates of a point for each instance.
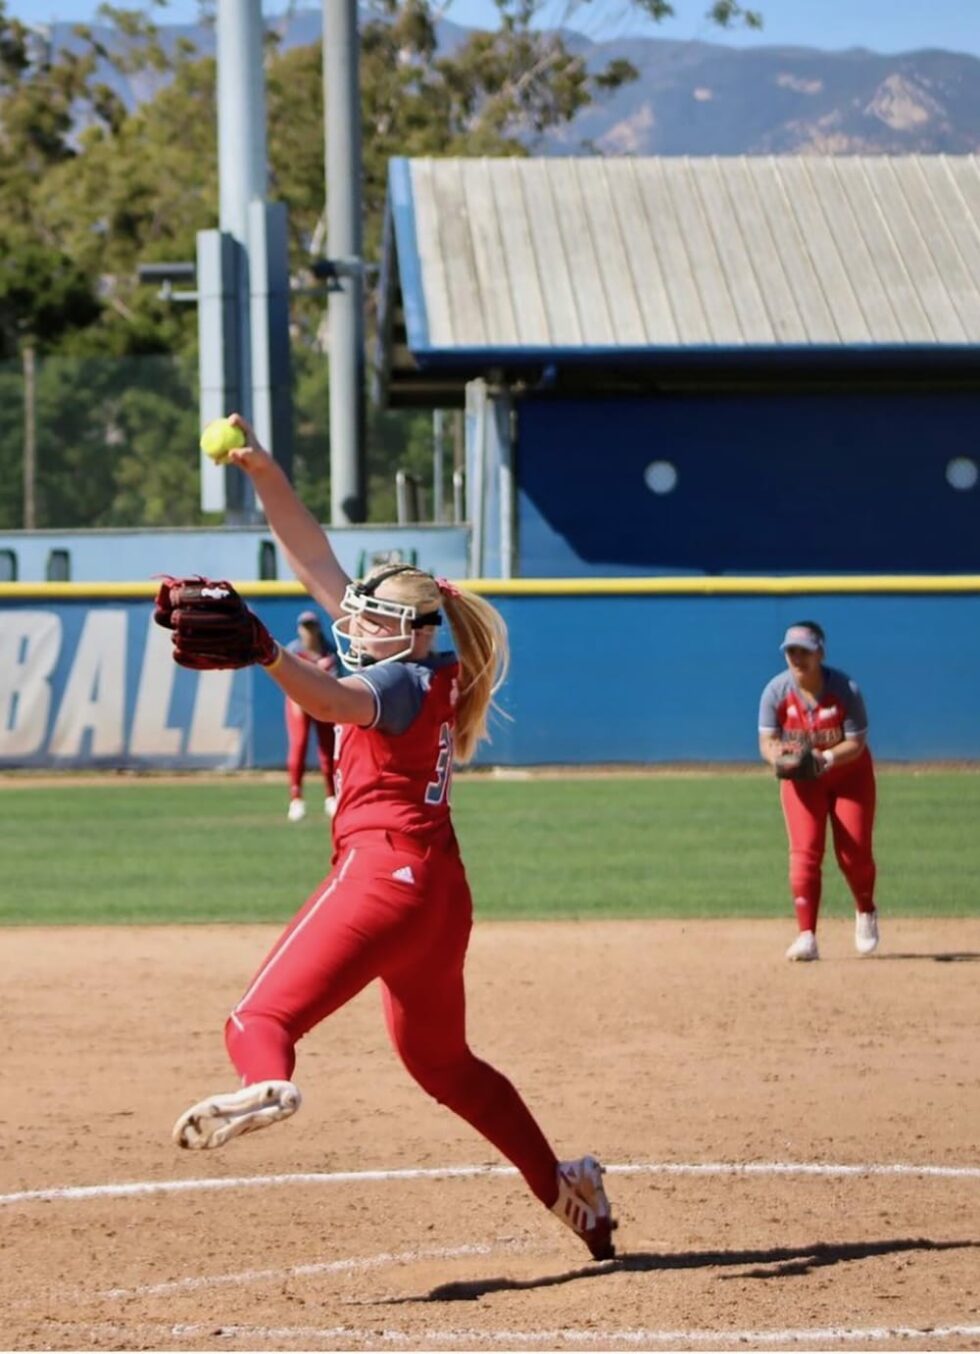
(197, 1282)
(247, 1276)
(794, 1168)
(749, 1168)
(522, 1339)
(262, 1337)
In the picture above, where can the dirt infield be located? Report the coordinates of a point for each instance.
(663, 1046)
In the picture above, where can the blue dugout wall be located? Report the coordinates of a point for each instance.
(751, 483)
(641, 670)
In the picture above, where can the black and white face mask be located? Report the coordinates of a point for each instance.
(359, 600)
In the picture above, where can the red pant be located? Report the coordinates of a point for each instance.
(845, 796)
(364, 923)
(298, 724)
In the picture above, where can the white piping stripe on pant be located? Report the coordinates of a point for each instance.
(277, 955)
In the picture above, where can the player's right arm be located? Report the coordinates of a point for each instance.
(304, 543)
(770, 727)
(330, 700)
(770, 746)
(387, 698)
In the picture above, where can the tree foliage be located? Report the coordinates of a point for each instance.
(44, 295)
(91, 186)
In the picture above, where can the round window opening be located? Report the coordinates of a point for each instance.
(660, 477)
(962, 473)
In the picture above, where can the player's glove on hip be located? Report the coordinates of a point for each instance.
(800, 763)
(212, 627)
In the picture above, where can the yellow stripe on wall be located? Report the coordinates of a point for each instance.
(868, 584)
(714, 586)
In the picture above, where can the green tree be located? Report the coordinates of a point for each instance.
(396, 440)
(89, 190)
(43, 294)
(139, 192)
(156, 477)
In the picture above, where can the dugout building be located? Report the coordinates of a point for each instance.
(697, 366)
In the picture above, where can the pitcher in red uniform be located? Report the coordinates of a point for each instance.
(820, 707)
(396, 905)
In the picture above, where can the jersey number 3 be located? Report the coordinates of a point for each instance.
(437, 791)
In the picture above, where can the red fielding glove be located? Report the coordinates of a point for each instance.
(212, 627)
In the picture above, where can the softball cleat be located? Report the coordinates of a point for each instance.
(215, 1121)
(296, 811)
(803, 948)
(866, 932)
(582, 1205)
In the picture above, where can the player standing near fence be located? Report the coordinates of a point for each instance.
(813, 732)
(396, 905)
(310, 644)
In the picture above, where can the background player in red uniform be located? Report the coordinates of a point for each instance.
(813, 705)
(310, 643)
(396, 905)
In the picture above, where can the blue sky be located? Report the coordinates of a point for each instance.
(881, 25)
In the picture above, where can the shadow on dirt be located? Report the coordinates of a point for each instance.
(955, 957)
(776, 1262)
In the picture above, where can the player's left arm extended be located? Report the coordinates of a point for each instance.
(331, 700)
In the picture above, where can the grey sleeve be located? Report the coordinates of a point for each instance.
(855, 713)
(769, 710)
(399, 690)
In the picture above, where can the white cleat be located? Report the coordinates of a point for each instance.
(215, 1121)
(582, 1205)
(866, 932)
(297, 811)
(803, 948)
(330, 805)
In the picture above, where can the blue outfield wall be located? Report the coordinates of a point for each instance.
(678, 678)
(637, 671)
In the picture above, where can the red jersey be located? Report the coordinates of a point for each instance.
(839, 712)
(395, 774)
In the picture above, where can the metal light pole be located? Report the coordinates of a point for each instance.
(342, 111)
(242, 270)
(28, 357)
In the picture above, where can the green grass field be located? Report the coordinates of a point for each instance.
(663, 846)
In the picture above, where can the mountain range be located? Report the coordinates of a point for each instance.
(703, 98)
(707, 99)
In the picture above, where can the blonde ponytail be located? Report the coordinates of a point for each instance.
(480, 640)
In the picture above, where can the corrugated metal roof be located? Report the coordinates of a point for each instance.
(664, 253)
